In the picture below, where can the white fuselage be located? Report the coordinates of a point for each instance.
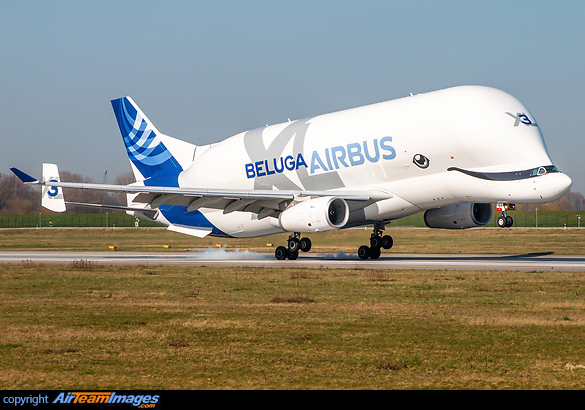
(377, 147)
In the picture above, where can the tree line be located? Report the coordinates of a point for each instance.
(17, 198)
(571, 201)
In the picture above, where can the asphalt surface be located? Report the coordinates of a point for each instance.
(224, 258)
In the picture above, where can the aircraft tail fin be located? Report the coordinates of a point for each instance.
(156, 159)
(52, 198)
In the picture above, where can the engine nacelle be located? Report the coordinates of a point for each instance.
(459, 216)
(315, 215)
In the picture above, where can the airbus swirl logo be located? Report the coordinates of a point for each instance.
(522, 118)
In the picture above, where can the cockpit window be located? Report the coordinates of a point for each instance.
(543, 170)
(537, 171)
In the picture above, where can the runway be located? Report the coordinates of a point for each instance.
(223, 258)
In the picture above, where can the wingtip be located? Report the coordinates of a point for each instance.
(23, 176)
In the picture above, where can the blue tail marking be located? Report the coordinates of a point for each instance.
(24, 177)
(144, 147)
(155, 162)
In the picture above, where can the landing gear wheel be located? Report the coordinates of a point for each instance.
(375, 242)
(505, 221)
(281, 253)
(375, 253)
(305, 244)
(387, 241)
(293, 255)
(294, 244)
(364, 252)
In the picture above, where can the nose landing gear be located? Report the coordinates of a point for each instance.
(377, 242)
(505, 221)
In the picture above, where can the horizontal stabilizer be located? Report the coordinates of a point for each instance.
(24, 177)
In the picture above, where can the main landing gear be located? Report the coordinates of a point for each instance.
(505, 221)
(377, 242)
(295, 244)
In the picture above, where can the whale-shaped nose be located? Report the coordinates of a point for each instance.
(565, 183)
(554, 186)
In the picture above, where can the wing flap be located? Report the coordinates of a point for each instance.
(188, 230)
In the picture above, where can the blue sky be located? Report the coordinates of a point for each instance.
(203, 71)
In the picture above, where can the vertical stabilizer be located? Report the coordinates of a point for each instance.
(52, 198)
(156, 159)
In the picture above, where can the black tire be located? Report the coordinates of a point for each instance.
(375, 253)
(364, 252)
(502, 222)
(509, 222)
(305, 244)
(293, 255)
(294, 244)
(387, 242)
(375, 242)
(281, 253)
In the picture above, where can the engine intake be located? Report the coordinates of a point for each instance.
(459, 216)
(315, 215)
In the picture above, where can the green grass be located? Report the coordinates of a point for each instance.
(83, 326)
(522, 219)
(406, 240)
(549, 219)
(72, 221)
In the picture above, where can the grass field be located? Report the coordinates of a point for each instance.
(406, 240)
(523, 219)
(90, 327)
(85, 326)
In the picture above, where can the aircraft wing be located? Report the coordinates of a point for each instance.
(263, 202)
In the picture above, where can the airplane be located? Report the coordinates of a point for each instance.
(451, 153)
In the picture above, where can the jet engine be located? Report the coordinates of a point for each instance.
(315, 215)
(459, 216)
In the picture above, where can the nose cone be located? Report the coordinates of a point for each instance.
(556, 185)
(566, 183)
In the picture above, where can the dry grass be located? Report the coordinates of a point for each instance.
(406, 240)
(83, 264)
(294, 299)
(102, 327)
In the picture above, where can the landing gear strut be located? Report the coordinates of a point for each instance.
(505, 221)
(295, 244)
(377, 242)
